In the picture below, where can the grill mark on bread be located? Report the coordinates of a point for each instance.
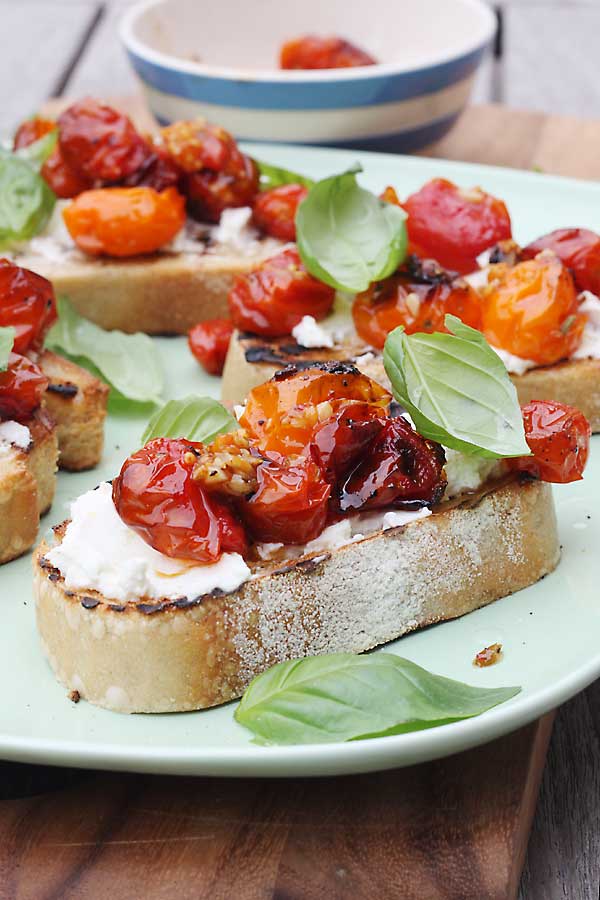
(64, 389)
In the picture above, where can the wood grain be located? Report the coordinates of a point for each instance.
(451, 829)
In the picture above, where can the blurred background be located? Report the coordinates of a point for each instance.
(545, 56)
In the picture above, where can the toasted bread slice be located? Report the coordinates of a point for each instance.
(77, 401)
(27, 483)
(191, 653)
(252, 360)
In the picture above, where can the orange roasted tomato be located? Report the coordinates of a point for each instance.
(62, 178)
(453, 225)
(401, 468)
(32, 130)
(290, 503)
(28, 304)
(578, 249)
(531, 310)
(313, 52)
(417, 296)
(99, 142)
(217, 174)
(559, 439)
(209, 342)
(273, 298)
(22, 387)
(156, 495)
(274, 211)
(124, 221)
(283, 416)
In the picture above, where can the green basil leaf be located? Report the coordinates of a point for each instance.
(275, 176)
(37, 153)
(128, 362)
(194, 418)
(26, 201)
(457, 390)
(7, 339)
(346, 236)
(342, 697)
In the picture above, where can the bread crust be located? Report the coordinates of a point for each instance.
(77, 401)
(181, 655)
(251, 361)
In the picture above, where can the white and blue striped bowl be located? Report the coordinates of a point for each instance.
(217, 59)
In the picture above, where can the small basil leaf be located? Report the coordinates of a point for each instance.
(37, 153)
(457, 390)
(342, 697)
(128, 362)
(194, 418)
(346, 236)
(7, 339)
(26, 201)
(275, 176)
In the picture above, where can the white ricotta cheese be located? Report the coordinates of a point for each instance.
(515, 365)
(99, 552)
(15, 434)
(308, 333)
(590, 341)
(468, 473)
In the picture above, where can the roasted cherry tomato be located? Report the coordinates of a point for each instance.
(313, 52)
(273, 298)
(578, 249)
(274, 211)
(27, 303)
(418, 297)
(32, 130)
(390, 195)
(156, 495)
(22, 387)
(158, 171)
(124, 221)
(401, 469)
(62, 178)
(559, 438)
(453, 225)
(290, 503)
(209, 342)
(531, 310)
(283, 415)
(339, 442)
(99, 142)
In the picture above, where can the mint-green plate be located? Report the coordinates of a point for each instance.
(550, 632)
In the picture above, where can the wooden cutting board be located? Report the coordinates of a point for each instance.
(455, 829)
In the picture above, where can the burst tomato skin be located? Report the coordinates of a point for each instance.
(158, 171)
(156, 495)
(274, 211)
(401, 469)
(62, 178)
(99, 142)
(290, 503)
(124, 221)
(454, 226)
(578, 249)
(314, 52)
(531, 310)
(273, 298)
(559, 438)
(339, 442)
(28, 304)
(209, 342)
(416, 301)
(283, 415)
(22, 387)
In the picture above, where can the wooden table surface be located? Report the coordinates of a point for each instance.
(52, 47)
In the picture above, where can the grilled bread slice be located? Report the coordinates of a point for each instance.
(252, 360)
(27, 483)
(196, 652)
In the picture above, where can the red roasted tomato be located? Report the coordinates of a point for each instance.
(578, 249)
(290, 503)
(273, 298)
(313, 52)
(209, 342)
(340, 441)
(418, 297)
(274, 211)
(27, 303)
(401, 469)
(22, 386)
(453, 225)
(158, 171)
(99, 142)
(156, 495)
(559, 438)
(62, 178)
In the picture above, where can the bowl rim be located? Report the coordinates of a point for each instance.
(133, 44)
